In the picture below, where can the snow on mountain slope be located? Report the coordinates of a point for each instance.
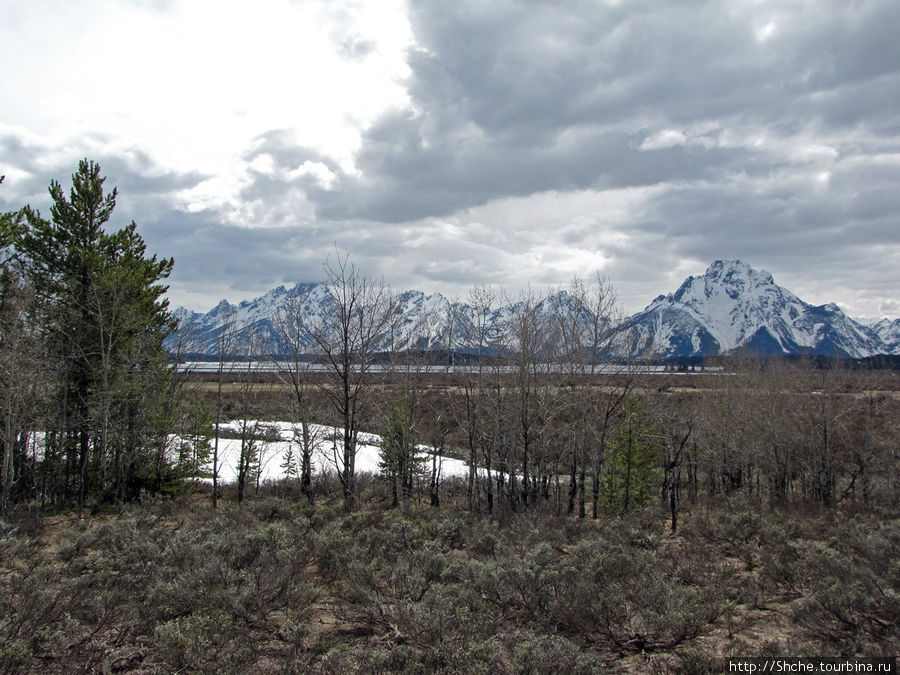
(418, 321)
(888, 331)
(733, 305)
(728, 307)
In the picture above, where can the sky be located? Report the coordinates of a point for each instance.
(448, 145)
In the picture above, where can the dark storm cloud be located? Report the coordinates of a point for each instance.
(770, 129)
(216, 260)
(508, 99)
(144, 195)
(767, 131)
(785, 213)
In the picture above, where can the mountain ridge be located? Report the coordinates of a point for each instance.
(731, 306)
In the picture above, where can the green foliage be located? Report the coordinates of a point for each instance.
(192, 451)
(11, 229)
(633, 471)
(400, 461)
(290, 462)
(101, 316)
(20, 363)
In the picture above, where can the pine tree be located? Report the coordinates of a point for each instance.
(633, 469)
(104, 320)
(400, 462)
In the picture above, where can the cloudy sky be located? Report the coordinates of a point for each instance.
(449, 144)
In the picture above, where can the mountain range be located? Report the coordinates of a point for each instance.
(731, 306)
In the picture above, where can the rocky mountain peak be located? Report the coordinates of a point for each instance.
(730, 306)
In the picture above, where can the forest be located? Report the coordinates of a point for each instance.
(633, 521)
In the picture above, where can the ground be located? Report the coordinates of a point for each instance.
(278, 585)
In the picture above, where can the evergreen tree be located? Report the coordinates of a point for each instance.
(191, 455)
(633, 469)
(400, 462)
(103, 318)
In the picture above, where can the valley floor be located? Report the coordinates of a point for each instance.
(278, 585)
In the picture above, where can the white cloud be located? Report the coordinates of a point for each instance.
(263, 163)
(446, 144)
(324, 176)
(196, 82)
(667, 138)
(765, 31)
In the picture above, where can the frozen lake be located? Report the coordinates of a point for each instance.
(603, 369)
(326, 456)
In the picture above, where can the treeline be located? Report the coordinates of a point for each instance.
(768, 431)
(93, 413)
(547, 426)
(88, 399)
(772, 433)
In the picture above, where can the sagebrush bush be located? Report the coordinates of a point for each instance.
(281, 585)
(854, 582)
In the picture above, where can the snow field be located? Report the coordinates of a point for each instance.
(327, 455)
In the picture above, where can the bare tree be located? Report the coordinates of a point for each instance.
(534, 371)
(873, 451)
(678, 419)
(407, 403)
(251, 431)
(481, 414)
(18, 357)
(225, 344)
(826, 421)
(356, 326)
(22, 371)
(293, 370)
(589, 328)
(194, 424)
(443, 414)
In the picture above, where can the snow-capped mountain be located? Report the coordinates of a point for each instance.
(888, 331)
(418, 321)
(734, 306)
(253, 321)
(731, 306)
